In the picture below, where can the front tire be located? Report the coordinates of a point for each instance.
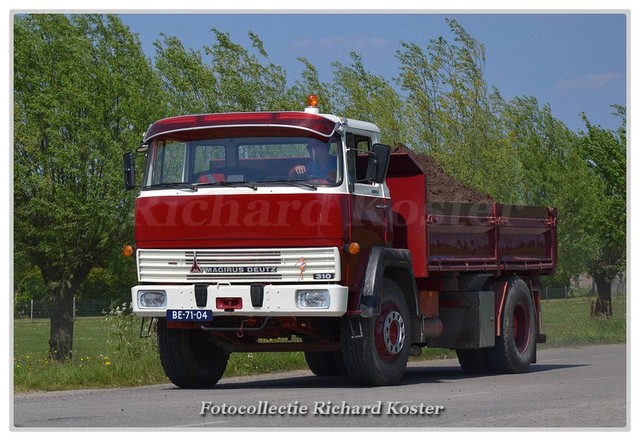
(325, 363)
(189, 359)
(378, 357)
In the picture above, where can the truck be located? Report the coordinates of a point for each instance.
(301, 231)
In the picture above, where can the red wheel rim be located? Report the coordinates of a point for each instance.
(390, 332)
(521, 325)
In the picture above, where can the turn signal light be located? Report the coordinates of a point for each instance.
(127, 251)
(354, 248)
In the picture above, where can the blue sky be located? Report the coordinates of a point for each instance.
(575, 62)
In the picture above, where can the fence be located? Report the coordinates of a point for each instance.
(39, 309)
(567, 292)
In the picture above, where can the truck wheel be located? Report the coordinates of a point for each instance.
(325, 363)
(474, 361)
(190, 360)
(378, 356)
(515, 348)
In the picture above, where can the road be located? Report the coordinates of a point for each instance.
(568, 388)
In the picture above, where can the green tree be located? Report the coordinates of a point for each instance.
(310, 83)
(361, 95)
(112, 280)
(246, 81)
(552, 172)
(83, 95)
(606, 153)
(237, 80)
(515, 150)
(189, 84)
(450, 110)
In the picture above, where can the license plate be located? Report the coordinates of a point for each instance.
(189, 315)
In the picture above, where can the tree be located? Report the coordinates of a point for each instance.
(83, 95)
(551, 171)
(516, 150)
(606, 153)
(450, 110)
(189, 84)
(359, 94)
(245, 81)
(237, 80)
(310, 83)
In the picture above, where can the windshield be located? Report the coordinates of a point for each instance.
(255, 160)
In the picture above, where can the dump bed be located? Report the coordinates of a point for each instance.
(470, 235)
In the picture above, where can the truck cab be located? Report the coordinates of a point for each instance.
(240, 230)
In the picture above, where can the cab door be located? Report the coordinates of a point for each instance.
(370, 205)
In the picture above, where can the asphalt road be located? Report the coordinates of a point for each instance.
(568, 388)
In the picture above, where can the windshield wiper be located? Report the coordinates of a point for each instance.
(196, 185)
(293, 182)
(172, 185)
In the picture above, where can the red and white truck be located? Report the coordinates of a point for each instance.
(299, 231)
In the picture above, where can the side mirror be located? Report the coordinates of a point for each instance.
(378, 163)
(129, 171)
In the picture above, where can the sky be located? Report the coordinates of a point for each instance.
(575, 62)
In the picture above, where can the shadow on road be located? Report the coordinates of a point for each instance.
(414, 375)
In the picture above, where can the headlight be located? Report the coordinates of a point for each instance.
(313, 298)
(152, 299)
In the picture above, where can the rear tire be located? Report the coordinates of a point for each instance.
(515, 348)
(378, 356)
(474, 361)
(189, 359)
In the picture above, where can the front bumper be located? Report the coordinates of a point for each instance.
(226, 300)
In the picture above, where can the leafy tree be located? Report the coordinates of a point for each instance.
(83, 95)
(517, 151)
(311, 83)
(419, 78)
(113, 280)
(27, 282)
(189, 84)
(368, 97)
(450, 110)
(237, 80)
(552, 172)
(244, 81)
(605, 151)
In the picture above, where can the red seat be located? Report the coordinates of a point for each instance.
(212, 177)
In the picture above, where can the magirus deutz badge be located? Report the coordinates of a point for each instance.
(195, 268)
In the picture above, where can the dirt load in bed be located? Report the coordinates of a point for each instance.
(441, 186)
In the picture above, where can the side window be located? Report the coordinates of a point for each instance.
(358, 156)
(167, 163)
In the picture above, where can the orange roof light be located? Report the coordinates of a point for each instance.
(312, 100)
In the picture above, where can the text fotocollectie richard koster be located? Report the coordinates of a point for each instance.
(321, 408)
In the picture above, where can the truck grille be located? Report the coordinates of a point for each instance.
(239, 266)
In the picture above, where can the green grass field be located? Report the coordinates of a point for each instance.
(108, 352)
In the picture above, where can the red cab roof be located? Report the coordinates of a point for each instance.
(313, 123)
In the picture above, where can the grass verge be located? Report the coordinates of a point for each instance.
(109, 353)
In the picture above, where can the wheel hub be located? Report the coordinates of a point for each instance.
(393, 332)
